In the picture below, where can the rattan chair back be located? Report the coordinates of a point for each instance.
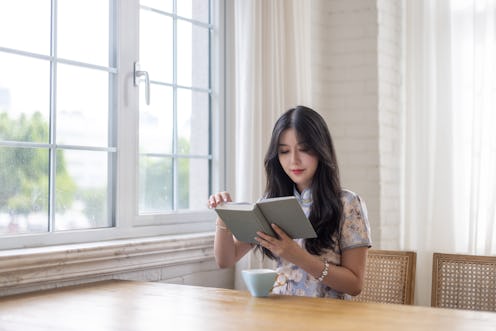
(389, 277)
(464, 281)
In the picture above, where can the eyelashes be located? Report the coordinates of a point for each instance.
(301, 150)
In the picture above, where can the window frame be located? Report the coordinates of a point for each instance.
(127, 221)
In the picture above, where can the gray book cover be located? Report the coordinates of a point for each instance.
(245, 219)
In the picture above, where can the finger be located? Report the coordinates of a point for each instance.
(263, 242)
(211, 202)
(265, 236)
(218, 199)
(225, 196)
(280, 232)
(214, 200)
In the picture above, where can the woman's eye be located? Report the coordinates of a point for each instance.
(283, 152)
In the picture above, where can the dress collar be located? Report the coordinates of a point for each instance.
(305, 196)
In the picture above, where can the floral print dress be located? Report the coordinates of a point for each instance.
(354, 231)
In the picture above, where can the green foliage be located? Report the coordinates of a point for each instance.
(156, 181)
(24, 172)
(33, 129)
(95, 200)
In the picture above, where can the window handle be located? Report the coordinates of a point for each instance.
(137, 78)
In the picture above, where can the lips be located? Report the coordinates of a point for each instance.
(297, 171)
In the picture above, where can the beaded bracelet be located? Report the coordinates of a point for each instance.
(325, 271)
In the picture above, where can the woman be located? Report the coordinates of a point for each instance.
(301, 161)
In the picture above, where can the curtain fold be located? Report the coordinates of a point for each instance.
(272, 74)
(478, 94)
(449, 143)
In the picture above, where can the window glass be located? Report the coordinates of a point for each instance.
(83, 31)
(156, 45)
(192, 55)
(163, 5)
(81, 190)
(156, 184)
(175, 127)
(193, 177)
(194, 9)
(82, 106)
(24, 175)
(193, 122)
(54, 116)
(79, 146)
(156, 121)
(30, 19)
(24, 118)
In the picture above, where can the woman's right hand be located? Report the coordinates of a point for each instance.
(218, 199)
(227, 249)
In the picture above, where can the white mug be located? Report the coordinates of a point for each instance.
(260, 282)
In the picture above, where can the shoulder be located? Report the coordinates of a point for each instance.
(354, 227)
(352, 202)
(348, 196)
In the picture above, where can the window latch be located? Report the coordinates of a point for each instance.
(137, 79)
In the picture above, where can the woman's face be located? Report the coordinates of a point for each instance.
(297, 159)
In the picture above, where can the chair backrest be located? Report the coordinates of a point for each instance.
(389, 277)
(464, 281)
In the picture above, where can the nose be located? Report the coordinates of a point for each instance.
(295, 157)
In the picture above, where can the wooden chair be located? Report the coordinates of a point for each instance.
(464, 281)
(389, 277)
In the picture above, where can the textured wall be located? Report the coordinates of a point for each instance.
(357, 71)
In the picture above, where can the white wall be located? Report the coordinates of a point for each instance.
(390, 63)
(357, 83)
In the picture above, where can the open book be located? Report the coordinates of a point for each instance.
(245, 219)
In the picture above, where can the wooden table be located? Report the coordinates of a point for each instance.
(142, 306)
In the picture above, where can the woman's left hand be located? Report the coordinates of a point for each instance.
(284, 246)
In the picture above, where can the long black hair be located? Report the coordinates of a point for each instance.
(327, 208)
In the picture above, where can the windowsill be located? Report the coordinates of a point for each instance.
(48, 267)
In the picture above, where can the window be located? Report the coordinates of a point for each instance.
(80, 148)
(174, 146)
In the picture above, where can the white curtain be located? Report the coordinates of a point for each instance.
(272, 74)
(450, 131)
